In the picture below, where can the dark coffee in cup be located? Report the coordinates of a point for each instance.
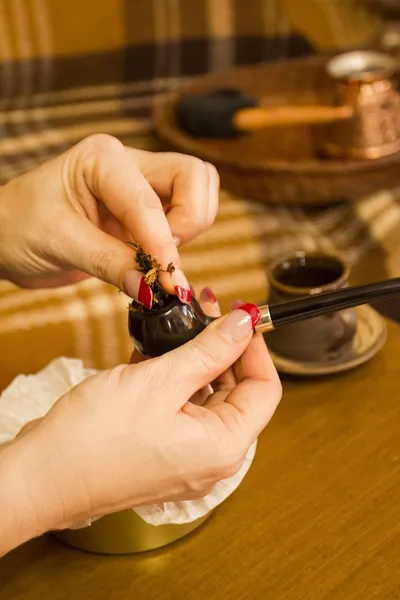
(309, 272)
(320, 338)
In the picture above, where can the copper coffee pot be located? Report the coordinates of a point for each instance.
(365, 81)
(362, 123)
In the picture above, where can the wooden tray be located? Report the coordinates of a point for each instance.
(281, 164)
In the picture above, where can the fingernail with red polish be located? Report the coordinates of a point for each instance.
(183, 294)
(235, 304)
(182, 287)
(145, 294)
(207, 295)
(253, 311)
(236, 326)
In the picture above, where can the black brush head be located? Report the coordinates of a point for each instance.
(211, 114)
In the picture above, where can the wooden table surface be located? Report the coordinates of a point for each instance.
(317, 517)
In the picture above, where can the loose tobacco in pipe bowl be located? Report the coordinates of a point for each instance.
(151, 270)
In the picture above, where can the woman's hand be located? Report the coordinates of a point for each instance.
(73, 215)
(129, 436)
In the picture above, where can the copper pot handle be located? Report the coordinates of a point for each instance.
(252, 119)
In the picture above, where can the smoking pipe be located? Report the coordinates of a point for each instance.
(155, 332)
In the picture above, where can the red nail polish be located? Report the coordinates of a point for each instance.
(236, 304)
(184, 296)
(207, 295)
(145, 294)
(253, 311)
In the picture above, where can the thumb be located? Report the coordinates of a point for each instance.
(207, 356)
(28, 427)
(96, 253)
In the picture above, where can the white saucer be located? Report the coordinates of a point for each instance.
(369, 339)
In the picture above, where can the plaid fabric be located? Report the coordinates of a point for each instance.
(70, 69)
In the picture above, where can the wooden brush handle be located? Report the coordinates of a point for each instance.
(251, 119)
